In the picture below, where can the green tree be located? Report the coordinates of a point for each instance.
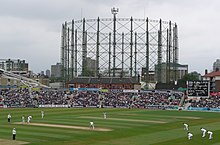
(193, 76)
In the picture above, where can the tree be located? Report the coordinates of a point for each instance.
(193, 76)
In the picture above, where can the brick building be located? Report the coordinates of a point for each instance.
(214, 78)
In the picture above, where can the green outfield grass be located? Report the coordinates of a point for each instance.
(126, 127)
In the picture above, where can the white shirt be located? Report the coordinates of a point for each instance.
(13, 131)
(186, 125)
(209, 132)
(9, 116)
(91, 123)
(29, 118)
(203, 129)
(190, 134)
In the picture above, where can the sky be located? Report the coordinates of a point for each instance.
(31, 29)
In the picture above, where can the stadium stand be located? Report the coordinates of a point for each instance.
(22, 97)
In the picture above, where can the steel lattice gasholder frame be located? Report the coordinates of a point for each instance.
(125, 44)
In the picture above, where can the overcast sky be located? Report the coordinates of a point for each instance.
(30, 29)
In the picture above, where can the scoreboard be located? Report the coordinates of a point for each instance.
(198, 88)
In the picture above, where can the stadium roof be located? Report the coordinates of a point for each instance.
(104, 80)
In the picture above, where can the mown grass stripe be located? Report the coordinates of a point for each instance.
(123, 119)
(124, 131)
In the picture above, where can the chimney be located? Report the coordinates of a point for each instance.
(206, 71)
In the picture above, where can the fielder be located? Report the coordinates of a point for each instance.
(23, 119)
(105, 115)
(186, 126)
(210, 134)
(190, 135)
(42, 114)
(9, 118)
(29, 119)
(203, 132)
(91, 125)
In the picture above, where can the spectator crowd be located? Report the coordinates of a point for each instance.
(210, 102)
(23, 97)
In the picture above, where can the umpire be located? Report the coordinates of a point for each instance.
(13, 133)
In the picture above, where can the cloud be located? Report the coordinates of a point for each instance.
(30, 29)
